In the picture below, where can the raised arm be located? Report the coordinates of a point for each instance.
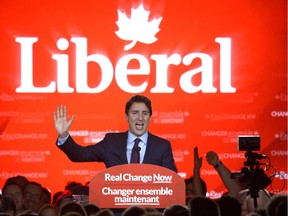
(61, 123)
(232, 185)
(196, 182)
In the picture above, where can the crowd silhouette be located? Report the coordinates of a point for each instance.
(32, 199)
(23, 197)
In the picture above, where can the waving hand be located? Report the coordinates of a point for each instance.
(61, 123)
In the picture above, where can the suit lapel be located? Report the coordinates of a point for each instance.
(123, 147)
(148, 149)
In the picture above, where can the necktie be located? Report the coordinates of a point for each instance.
(135, 156)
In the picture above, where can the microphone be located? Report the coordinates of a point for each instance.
(138, 149)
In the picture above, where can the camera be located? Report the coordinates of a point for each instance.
(248, 143)
(251, 173)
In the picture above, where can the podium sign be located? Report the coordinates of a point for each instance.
(143, 185)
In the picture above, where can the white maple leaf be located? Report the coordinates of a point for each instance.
(137, 28)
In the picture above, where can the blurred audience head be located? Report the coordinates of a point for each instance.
(229, 206)
(176, 210)
(134, 211)
(46, 197)
(71, 207)
(91, 209)
(203, 206)
(20, 180)
(104, 212)
(56, 196)
(66, 196)
(277, 205)
(14, 191)
(71, 185)
(48, 210)
(189, 187)
(32, 196)
(7, 206)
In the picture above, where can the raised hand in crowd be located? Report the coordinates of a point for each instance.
(232, 185)
(195, 185)
(196, 182)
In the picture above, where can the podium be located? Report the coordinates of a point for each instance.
(142, 185)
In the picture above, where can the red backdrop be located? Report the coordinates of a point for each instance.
(213, 69)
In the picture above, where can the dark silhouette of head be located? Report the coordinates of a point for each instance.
(203, 206)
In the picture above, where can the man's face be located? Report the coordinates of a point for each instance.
(189, 190)
(14, 191)
(32, 197)
(138, 118)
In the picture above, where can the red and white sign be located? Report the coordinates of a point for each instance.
(137, 184)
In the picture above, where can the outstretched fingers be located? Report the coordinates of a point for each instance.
(196, 154)
(54, 117)
(197, 159)
(64, 111)
(61, 112)
(71, 120)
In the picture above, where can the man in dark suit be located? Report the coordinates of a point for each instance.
(119, 148)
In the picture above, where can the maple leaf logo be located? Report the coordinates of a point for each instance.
(137, 28)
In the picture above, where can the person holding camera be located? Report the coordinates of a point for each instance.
(233, 186)
(239, 188)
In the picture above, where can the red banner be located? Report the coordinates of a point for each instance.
(137, 184)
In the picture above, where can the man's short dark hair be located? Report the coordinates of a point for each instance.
(138, 99)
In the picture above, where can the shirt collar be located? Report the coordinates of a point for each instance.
(132, 137)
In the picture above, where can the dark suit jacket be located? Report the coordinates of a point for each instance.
(112, 151)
